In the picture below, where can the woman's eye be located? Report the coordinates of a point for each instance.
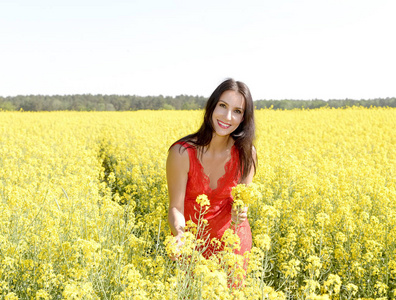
(222, 105)
(238, 111)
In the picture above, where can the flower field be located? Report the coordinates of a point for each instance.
(83, 208)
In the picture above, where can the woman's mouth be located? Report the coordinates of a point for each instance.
(223, 125)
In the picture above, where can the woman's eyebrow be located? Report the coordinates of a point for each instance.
(228, 104)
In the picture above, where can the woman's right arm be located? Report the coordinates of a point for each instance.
(177, 167)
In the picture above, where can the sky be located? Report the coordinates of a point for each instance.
(282, 49)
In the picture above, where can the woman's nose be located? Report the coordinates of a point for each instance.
(228, 115)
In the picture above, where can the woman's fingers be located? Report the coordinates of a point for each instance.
(240, 216)
(179, 244)
(234, 216)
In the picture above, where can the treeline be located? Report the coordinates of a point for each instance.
(88, 102)
(312, 104)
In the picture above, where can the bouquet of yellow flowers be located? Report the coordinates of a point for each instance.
(244, 195)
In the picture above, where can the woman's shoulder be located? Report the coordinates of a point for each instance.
(178, 157)
(181, 148)
(186, 142)
(178, 147)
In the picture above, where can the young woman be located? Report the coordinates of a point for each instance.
(212, 161)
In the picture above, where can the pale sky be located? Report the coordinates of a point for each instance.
(282, 49)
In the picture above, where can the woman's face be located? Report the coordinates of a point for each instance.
(228, 113)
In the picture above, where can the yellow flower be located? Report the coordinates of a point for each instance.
(11, 296)
(42, 294)
(244, 195)
(314, 265)
(263, 241)
(352, 289)
(191, 227)
(381, 288)
(231, 241)
(333, 284)
(203, 200)
(291, 268)
(171, 246)
(322, 219)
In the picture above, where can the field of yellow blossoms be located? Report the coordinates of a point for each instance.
(83, 208)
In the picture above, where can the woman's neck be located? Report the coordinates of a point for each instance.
(220, 143)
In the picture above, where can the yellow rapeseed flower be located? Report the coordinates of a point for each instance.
(203, 200)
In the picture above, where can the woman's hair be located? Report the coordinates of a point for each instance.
(243, 135)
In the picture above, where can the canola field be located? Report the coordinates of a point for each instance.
(83, 208)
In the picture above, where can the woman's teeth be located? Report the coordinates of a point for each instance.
(223, 125)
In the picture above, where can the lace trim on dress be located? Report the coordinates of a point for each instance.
(227, 167)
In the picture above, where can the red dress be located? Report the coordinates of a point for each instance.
(219, 214)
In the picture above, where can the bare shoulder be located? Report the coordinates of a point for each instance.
(178, 157)
(178, 150)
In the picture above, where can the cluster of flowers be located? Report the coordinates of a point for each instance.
(223, 275)
(83, 208)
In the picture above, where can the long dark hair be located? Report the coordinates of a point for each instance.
(243, 135)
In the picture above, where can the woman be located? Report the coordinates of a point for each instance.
(212, 161)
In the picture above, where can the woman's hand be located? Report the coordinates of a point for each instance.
(179, 244)
(238, 216)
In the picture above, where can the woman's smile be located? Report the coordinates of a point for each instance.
(223, 125)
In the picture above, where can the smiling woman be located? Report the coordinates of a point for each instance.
(212, 161)
(228, 113)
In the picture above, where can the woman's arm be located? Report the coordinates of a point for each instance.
(177, 166)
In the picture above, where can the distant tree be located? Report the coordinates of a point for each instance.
(110, 107)
(7, 105)
(190, 105)
(168, 107)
